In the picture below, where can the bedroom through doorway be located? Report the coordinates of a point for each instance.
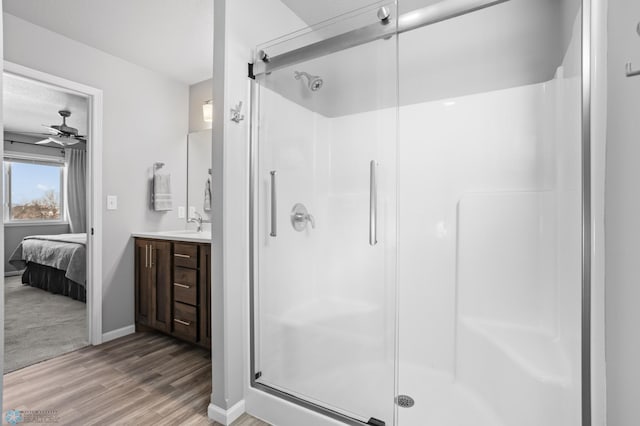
(45, 214)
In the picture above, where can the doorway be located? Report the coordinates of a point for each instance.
(73, 151)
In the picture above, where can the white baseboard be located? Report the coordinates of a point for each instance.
(121, 332)
(13, 273)
(226, 417)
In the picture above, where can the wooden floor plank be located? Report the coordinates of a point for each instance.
(141, 379)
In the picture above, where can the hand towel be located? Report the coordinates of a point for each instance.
(207, 195)
(161, 194)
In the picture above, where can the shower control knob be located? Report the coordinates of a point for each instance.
(300, 217)
(384, 13)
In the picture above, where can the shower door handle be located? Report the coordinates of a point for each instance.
(373, 204)
(274, 207)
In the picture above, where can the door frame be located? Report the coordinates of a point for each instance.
(94, 97)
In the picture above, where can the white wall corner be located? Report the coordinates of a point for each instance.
(226, 417)
(120, 332)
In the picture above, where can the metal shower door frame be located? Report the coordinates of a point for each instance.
(370, 33)
(253, 372)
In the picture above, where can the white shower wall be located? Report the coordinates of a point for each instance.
(488, 256)
(489, 260)
(489, 266)
(326, 297)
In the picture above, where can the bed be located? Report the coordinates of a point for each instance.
(55, 263)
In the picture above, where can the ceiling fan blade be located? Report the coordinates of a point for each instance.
(49, 140)
(51, 129)
(32, 133)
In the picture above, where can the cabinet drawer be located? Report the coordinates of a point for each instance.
(185, 323)
(185, 255)
(185, 288)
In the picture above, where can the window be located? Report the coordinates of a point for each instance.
(34, 190)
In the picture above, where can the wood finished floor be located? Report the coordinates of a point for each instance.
(141, 379)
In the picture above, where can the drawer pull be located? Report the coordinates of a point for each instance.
(181, 285)
(187, 323)
(185, 256)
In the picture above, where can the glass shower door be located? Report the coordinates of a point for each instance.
(489, 165)
(324, 226)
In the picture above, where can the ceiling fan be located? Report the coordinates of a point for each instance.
(62, 134)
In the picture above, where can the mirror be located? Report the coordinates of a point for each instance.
(199, 174)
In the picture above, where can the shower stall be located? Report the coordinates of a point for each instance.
(419, 215)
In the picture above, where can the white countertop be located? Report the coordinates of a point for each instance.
(184, 235)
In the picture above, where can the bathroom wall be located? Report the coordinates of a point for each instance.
(236, 33)
(622, 217)
(145, 120)
(198, 94)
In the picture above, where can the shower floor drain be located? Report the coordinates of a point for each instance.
(404, 401)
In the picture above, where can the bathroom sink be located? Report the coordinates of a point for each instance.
(203, 235)
(179, 235)
(188, 232)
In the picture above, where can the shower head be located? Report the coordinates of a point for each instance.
(313, 81)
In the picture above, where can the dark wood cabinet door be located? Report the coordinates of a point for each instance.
(142, 282)
(158, 293)
(160, 261)
(205, 295)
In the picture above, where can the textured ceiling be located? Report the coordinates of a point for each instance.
(28, 105)
(172, 37)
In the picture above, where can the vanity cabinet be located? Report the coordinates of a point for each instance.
(173, 289)
(153, 284)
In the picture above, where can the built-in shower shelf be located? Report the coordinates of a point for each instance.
(535, 350)
(334, 320)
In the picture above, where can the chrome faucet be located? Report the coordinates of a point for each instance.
(197, 219)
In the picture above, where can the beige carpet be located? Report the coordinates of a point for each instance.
(39, 325)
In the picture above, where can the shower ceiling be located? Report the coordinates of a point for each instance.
(523, 45)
